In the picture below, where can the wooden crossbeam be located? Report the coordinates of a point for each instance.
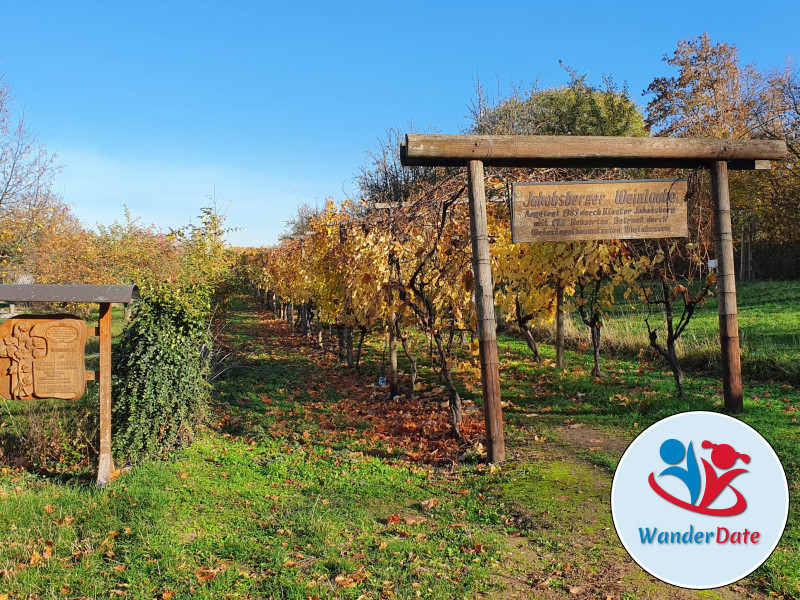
(540, 151)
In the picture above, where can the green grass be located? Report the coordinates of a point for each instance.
(284, 497)
(260, 506)
(769, 322)
(630, 396)
(271, 520)
(635, 391)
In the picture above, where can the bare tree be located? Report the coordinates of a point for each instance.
(26, 174)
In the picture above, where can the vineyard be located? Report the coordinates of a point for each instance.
(306, 419)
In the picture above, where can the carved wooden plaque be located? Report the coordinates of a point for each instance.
(42, 357)
(599, 210)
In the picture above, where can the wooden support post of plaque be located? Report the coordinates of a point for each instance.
(726, 290)
(484, 307)
(106, 466)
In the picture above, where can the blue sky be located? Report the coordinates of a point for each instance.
(159, 105)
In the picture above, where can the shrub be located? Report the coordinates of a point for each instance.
(159, 378)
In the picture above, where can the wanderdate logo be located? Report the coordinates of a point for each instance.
(699, 500)
(723, 457)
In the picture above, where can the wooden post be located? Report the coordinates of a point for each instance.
(484, 306)
(726, 289)
(106, 466)
(559, 325)
(394, 381)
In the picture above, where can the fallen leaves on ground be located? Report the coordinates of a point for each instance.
(418, 428)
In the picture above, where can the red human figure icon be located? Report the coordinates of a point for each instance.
(724, 457)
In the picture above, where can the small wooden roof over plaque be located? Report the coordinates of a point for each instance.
(122, 294)
(42, 356)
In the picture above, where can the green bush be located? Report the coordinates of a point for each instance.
(159, 378)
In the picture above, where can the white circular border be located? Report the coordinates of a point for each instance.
(785, 489)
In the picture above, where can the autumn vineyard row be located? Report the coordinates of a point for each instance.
(386, 270)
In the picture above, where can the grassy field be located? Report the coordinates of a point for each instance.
(307, 484)
(769, 325)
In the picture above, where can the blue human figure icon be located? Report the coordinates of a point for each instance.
(672, 453)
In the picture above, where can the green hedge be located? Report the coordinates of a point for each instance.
(159, 379)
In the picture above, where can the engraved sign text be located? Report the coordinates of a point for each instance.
(598, 210)
(42, 357)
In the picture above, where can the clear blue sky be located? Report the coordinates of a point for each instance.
(158, 105)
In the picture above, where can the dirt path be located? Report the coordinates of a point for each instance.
(571, 549)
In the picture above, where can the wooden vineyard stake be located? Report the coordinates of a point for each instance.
(559, 325)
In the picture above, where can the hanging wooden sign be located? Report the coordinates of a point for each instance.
(599, 210)
(42, 357)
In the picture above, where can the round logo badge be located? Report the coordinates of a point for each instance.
(699, 500)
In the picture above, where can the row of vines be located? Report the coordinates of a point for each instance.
(390, 268)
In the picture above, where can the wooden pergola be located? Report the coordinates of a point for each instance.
(476, 151)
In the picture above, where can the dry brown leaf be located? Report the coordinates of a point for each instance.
(205, 574)
(476, 548)
(414, 520)
(430, 504)
(168, 595)
(344, 581)
(119, 568)
(393, 519)
(49, 509)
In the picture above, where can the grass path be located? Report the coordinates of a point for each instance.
(309, 485)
